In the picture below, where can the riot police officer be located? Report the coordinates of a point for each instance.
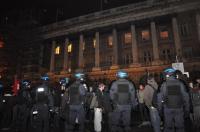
(22, 108)
(122, 94)
(42, 107)
(174, 100)
(75, 101)
(64, 82)
(1, 102)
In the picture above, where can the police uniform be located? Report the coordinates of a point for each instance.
(40, 111)
(76, 113)
(122, 94)
(2, 101)
(22, 108)
(175, 102)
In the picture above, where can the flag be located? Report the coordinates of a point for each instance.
(15, 86)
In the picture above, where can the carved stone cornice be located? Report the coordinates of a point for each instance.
(144, 11)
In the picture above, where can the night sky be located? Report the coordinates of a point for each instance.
(56, 10)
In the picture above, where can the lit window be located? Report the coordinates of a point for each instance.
(164, 34)
(57, 51)
(145, 35)
(69, 48)
(110, 41)
(127, 38)
(94, 42)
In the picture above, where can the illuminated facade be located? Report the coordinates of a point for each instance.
(145, 36)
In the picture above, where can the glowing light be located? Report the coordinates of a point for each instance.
(35, 112)
(127, 38)
(110, 40)
(164, 34)
(69, 48)
(57, 50)
(145, 35)
(94, 42)
(40, 90)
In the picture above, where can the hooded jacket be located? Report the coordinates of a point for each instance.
(149, 91)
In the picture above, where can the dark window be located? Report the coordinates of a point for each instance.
(185, 30)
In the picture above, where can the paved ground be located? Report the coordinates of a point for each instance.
(134, 129)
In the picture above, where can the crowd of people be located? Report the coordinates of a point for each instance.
(82, 105)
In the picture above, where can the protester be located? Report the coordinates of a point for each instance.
(142, 107)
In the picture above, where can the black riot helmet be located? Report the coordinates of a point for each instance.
(64, 80)
(45, 77)
(25, 84)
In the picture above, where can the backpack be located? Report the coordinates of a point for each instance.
(154, 98)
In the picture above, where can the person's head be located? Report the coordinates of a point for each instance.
(25, 84)
(141, 86)
(91, 89)
(169, 72)
(150, 79)
(178, 74)
(198, 80)
(79, 76)
(121, 74)
(64, 80)
(44, 78)
(101, 86)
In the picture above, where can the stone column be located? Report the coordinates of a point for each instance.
(115, 49)
(155, 42)
(97, 55)
(177, 40)
(65, 56)
(198, 25)
(52, 63)
(80, 58)
(134, 47)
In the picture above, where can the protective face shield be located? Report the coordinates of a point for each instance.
(122, 74)
(169, 72)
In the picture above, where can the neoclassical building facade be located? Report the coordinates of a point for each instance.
(145, 36)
